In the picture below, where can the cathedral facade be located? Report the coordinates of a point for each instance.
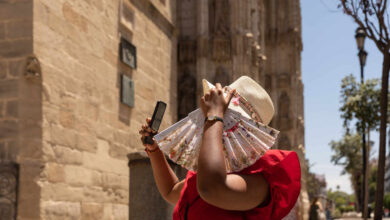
(79, 77)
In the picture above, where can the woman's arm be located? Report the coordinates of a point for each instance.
(226, 191)
(166, 180)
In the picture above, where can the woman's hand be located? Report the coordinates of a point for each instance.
(147, 131)
(214, 103)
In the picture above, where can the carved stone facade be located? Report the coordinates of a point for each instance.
(61, 119)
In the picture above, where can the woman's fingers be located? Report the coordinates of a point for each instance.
(207, 97)
(218, 86)
(230, 96)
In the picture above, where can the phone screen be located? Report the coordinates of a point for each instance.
(158, 116)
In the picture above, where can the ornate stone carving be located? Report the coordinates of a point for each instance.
(284, 81)
(187, 51)
(221, 49)
(219, 26)
(186, 94)
(268, 83)
(284, 112)
(8, 187)
(221, 76)
(33, 67)
(219, 17)
(284, 142)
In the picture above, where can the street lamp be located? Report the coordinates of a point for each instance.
(360, 36)
(362, 58)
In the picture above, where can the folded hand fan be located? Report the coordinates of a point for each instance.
(244, 139)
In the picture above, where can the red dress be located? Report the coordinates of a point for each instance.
(282, 171)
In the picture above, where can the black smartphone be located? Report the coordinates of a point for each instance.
(157, 117)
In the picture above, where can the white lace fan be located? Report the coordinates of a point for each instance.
(244, 140)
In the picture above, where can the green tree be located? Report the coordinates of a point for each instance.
(373, 17)
(361, 104)
(347, 153)
(313, 184)
(342, 200)
(386, 201)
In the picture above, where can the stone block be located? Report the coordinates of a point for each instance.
(55, 172)
(74, 17)
(64, 155)
(89, 110)
(16, 10)
(16, 48)
(77, 175)
(71, 85)
(3, 151)
(3, 69)
(9, 88)
(121, 137)
(30, 128)
(19, 28)
(101, 161)
(86, 143)
(2, 31)
(12, 108)
(56, 210)
(66, 118)
(1, 109)
(91, 211)
(63, 136)
(61, 192)
(17, 67)
(104, 132)
(50, 113)
(85, 126)
(29, 148)
(8, 129)
(118, 151)
(101, 195)
(29, 109)
(114, 181)
(120, 212)
(29, 190)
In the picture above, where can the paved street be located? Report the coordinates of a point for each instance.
(359, 218)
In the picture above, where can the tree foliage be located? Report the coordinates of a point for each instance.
(347, 153)
(372, 16)
(313, 184)
(360, 102)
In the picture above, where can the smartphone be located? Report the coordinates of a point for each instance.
(157, 117)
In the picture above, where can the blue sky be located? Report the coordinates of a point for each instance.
(329, 54)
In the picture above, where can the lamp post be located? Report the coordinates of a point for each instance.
(360, 37)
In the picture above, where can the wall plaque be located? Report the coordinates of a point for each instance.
(128, 53)
(127, 91)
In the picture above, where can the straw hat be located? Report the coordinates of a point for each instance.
(251, 99)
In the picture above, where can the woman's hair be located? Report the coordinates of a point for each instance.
(315, 200)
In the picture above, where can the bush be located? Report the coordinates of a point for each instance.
(386, 201)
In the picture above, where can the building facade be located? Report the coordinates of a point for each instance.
(65, 129)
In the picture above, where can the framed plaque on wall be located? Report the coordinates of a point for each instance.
(128, 53)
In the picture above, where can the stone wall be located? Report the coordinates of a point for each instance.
(86, 131)
(20, 104)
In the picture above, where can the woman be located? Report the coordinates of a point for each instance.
(316, 212)
(266, 190)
